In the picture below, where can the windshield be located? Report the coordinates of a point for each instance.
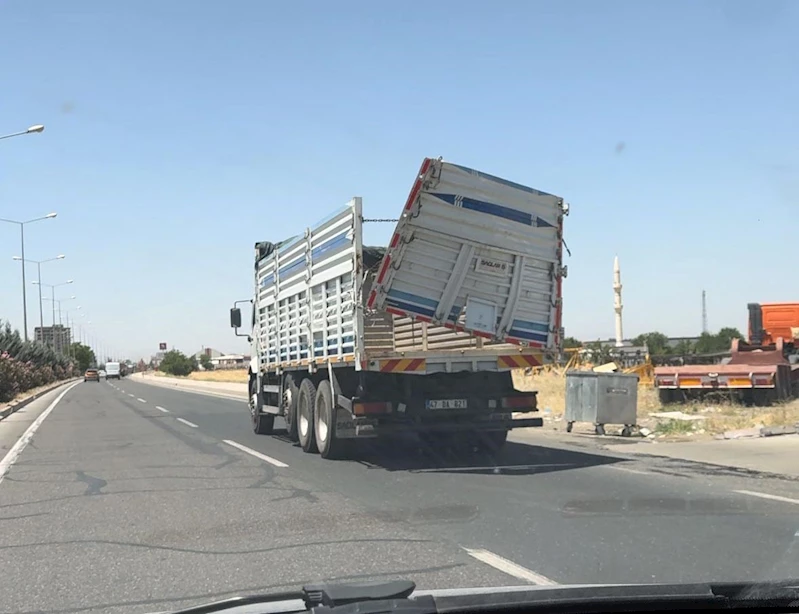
(465, 294)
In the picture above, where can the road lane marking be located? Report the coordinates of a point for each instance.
(140, 400)
(187, 423)
(494, 468)
(627, 470)
(251, 452)
(163, 409)
(131, 395)
(509, 567)
(13, 454)
(764, 495)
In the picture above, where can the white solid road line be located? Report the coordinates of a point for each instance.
(187, 423)
(163, 409)
(256, 454)
(13, 454)
(509, 567)
(764, 495)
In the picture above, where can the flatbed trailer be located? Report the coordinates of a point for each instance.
(760, 372)
(352, 342)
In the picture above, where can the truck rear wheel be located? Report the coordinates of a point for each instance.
(290, 394)
(262, 424)
(306, 402)
(325, 423)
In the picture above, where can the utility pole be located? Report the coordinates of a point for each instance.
(704, 313)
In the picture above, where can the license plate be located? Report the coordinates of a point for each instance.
(446, 404)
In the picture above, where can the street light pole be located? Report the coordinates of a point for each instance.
(22, 249)
(39, 264)
(31, 130)
(56, 346)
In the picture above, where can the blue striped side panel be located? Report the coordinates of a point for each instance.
(481, 206)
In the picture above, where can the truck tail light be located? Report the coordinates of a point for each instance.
(525, 402)
(366, 409)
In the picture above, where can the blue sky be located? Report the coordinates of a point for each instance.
(179, 133)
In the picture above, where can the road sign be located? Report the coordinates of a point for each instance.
(162, 346)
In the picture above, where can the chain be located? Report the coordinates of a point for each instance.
(379, 219)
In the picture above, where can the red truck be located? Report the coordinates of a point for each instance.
(759, 372)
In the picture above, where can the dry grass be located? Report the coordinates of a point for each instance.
(719, 416)
(234, 376)
(238, 376)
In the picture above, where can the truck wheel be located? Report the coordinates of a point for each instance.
(262, 424)
(306, 401)
(290, 394)
(325, 423)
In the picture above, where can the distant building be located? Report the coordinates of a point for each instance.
(57, 337)
(230, 361)
(210, 352)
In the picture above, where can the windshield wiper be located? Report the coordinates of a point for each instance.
(386, 597)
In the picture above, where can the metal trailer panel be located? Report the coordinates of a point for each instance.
(601, 398)
(306, 295)
(477, 254)
(310, 290)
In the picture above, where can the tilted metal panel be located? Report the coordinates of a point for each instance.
(458, 244)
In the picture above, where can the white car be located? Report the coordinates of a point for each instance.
(102, 373)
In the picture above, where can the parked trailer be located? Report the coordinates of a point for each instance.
(355, 342)
(759, 372)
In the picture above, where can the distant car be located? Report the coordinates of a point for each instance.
(91, 374)
(102, 373)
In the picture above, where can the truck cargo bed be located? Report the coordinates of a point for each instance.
(470, 280)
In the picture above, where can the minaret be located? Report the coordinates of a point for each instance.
(617, 306)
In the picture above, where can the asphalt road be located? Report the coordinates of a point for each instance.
(136, 498)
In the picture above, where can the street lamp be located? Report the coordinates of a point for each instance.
(52, 292)
(32, 130)
(70, 324)
(39, 264)
(22, 258)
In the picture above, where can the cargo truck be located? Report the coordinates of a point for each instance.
(421, 337)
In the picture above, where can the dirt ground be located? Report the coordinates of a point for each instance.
(695, 420)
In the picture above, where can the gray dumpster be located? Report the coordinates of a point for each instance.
(601, 398)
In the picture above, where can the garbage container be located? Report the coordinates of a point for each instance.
(602, 398)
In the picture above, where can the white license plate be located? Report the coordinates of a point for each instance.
(446, 404)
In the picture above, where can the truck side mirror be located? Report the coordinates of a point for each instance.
(235, 317)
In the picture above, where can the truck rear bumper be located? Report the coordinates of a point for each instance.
(365, 427)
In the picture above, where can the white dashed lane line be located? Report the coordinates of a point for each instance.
(509, 567)
(140, 400)
(187, 423)
(163, 409)
(764, 495)
(255, 453)
(131, 395)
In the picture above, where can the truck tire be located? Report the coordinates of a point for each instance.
(290, 394)
(306, 402)
(325, 423)
(262, 424)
